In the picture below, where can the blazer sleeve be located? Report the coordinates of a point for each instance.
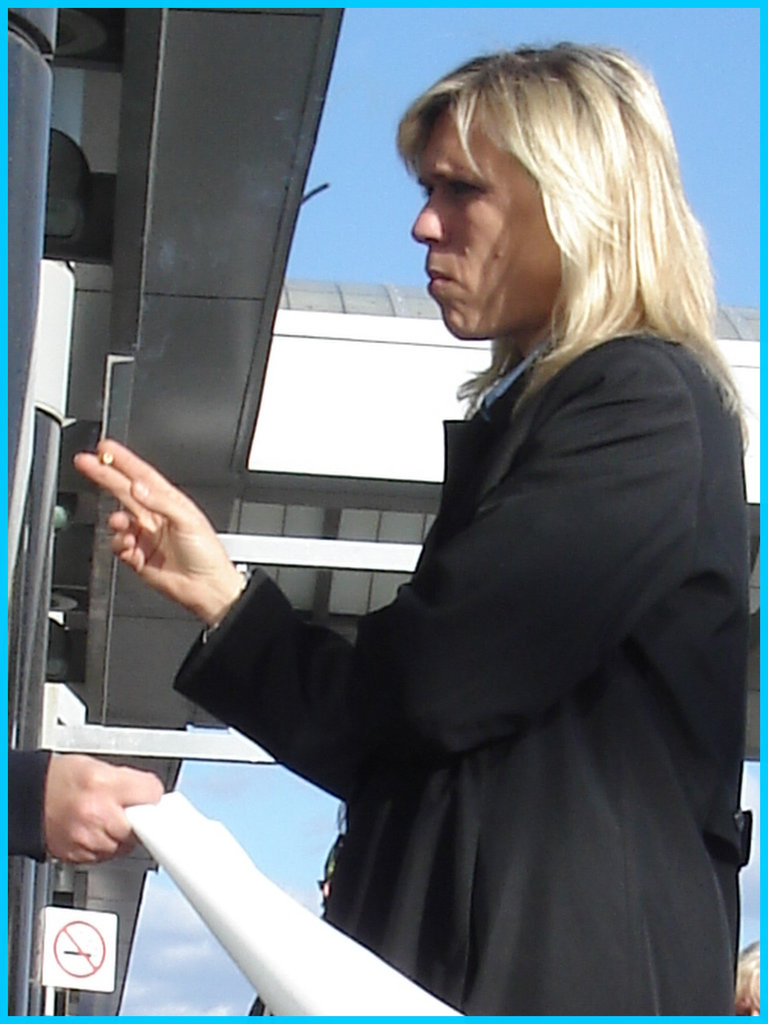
(27, 770)
(594, 519)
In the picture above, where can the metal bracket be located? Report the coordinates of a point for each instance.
(64, 728)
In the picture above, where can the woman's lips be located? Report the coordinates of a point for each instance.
(437, 283)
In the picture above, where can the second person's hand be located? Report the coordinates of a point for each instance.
(161, 534)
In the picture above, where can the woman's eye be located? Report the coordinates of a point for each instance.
(456, 188)
(462, 189)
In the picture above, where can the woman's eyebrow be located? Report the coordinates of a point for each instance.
(450, 174)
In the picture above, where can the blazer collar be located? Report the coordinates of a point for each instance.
(513, 425)
(479, 453)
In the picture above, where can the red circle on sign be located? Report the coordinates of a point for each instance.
(79, 949)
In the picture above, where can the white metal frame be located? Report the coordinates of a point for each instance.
(321, 553)
(65, 729)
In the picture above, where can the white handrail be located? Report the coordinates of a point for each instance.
(321, 553)
(298, 964)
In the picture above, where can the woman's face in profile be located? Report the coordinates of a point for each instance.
(493, 265)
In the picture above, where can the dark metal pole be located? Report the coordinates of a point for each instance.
(31, 35)
(30, 46)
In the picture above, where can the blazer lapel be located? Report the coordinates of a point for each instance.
(466, 442)
(506, 446)
(478, 455)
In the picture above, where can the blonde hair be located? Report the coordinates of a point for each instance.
(748, 981)
(589, 126)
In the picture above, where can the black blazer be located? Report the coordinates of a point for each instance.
(540, 739)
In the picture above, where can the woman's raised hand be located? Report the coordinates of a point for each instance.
(161, 534)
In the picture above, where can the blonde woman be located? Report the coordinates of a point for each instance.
(539, 741)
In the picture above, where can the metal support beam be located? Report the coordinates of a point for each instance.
(321, 552)
(65, 729)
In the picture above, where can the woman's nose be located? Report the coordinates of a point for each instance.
(427, 227)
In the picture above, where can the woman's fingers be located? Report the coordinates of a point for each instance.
(102, 474)
(116, 456)
(110, 478)
(138, 486)
(161, 534)
(133, 557)
(117, 470)
(121, 521)
(123, 542)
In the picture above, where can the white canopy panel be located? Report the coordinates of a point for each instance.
(352, 395)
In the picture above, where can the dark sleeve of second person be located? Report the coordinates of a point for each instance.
(27, 770)
(595, 519)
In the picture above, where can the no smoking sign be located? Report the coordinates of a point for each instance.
(79, 949)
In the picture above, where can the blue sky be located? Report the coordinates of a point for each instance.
(706, 63)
